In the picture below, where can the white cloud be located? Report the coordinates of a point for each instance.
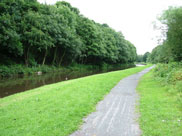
(133, 17)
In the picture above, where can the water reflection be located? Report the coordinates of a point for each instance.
(13, 85)
(19, 84)
(139, 65)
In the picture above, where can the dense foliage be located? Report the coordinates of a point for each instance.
(171, 49)
(171, 76)
(32, 33)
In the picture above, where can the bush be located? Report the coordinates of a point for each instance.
(171, 76)
(6, 71)
(12, 70)
(170, 72)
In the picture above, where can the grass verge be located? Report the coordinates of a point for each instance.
(159, 109)
(56, 109)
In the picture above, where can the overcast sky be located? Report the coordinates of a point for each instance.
(134, 18)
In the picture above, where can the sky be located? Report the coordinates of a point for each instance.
(134, 18)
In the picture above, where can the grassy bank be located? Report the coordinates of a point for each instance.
(56, 109)
(160, 101)
(19, 69)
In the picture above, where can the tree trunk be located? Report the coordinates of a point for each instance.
(44, 59)
(62, 57)
(26, 55)
(55, 54)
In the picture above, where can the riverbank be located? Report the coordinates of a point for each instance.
(160, 101)
(21, 70)
(56, 109)
(31, 79)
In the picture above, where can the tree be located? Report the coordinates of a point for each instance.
(58, 35)
(145, 56)
(172, 18)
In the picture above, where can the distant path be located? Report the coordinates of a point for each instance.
(115, 115)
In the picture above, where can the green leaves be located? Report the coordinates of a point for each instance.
(172, 46)
(58, 34)
(9, 38)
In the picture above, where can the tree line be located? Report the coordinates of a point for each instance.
(32, 33)
(171, 48)
(143, 58)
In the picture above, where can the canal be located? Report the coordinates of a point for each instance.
(9, 86)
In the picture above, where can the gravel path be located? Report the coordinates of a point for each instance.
(115, 115)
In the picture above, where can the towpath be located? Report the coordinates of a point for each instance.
(116, 114)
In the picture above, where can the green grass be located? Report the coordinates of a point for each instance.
(159, 109)
(56, 109)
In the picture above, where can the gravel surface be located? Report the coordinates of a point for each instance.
(116, 114)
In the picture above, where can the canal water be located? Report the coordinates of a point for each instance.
(9, 86)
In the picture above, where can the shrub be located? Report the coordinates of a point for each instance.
(171, 76)
(12, 70)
